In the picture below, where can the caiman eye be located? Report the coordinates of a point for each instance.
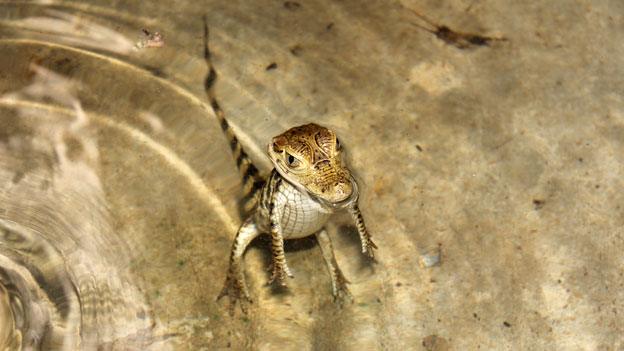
(292, 161)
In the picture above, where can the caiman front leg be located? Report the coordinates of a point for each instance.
(235, 287)
(367, 243)
(339, 282)
(279, 268)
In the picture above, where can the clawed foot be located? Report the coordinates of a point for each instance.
(367, 248)
(340, 291)
(279, 273)
(235, 289)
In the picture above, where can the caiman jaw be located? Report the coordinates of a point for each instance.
(351, 199)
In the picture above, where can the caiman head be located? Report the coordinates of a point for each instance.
(310, 158)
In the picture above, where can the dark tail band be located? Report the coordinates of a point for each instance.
(252, 181)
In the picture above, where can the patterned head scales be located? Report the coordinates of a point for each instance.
(309, 157)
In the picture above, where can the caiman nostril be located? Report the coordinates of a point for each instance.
(322, 164)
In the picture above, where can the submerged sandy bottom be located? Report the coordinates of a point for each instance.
(118, 192)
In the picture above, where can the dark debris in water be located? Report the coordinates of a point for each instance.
(296, 50)
(460, 40)
(292, 5)
(538, 204)
(435, 343)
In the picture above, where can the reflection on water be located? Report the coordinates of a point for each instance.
(69, 29)
(68, 268)
(62, 262)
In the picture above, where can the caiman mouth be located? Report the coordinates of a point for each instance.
(342, 203)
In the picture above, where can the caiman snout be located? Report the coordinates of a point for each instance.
(334, 184)
(341, 192)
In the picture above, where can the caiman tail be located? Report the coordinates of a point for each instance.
(252, 181)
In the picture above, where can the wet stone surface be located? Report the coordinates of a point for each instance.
(492, 131)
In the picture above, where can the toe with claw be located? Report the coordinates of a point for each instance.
(367, 248)
(279, 272)
(235, 289)
(340, 290)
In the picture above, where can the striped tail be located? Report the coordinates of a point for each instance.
(252, 181)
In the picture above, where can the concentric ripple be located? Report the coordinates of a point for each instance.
(61, 262)
(75, 272)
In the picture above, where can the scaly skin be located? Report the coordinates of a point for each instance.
(309, 182)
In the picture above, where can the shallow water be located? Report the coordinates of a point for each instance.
(96, 168)
(490, 176)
